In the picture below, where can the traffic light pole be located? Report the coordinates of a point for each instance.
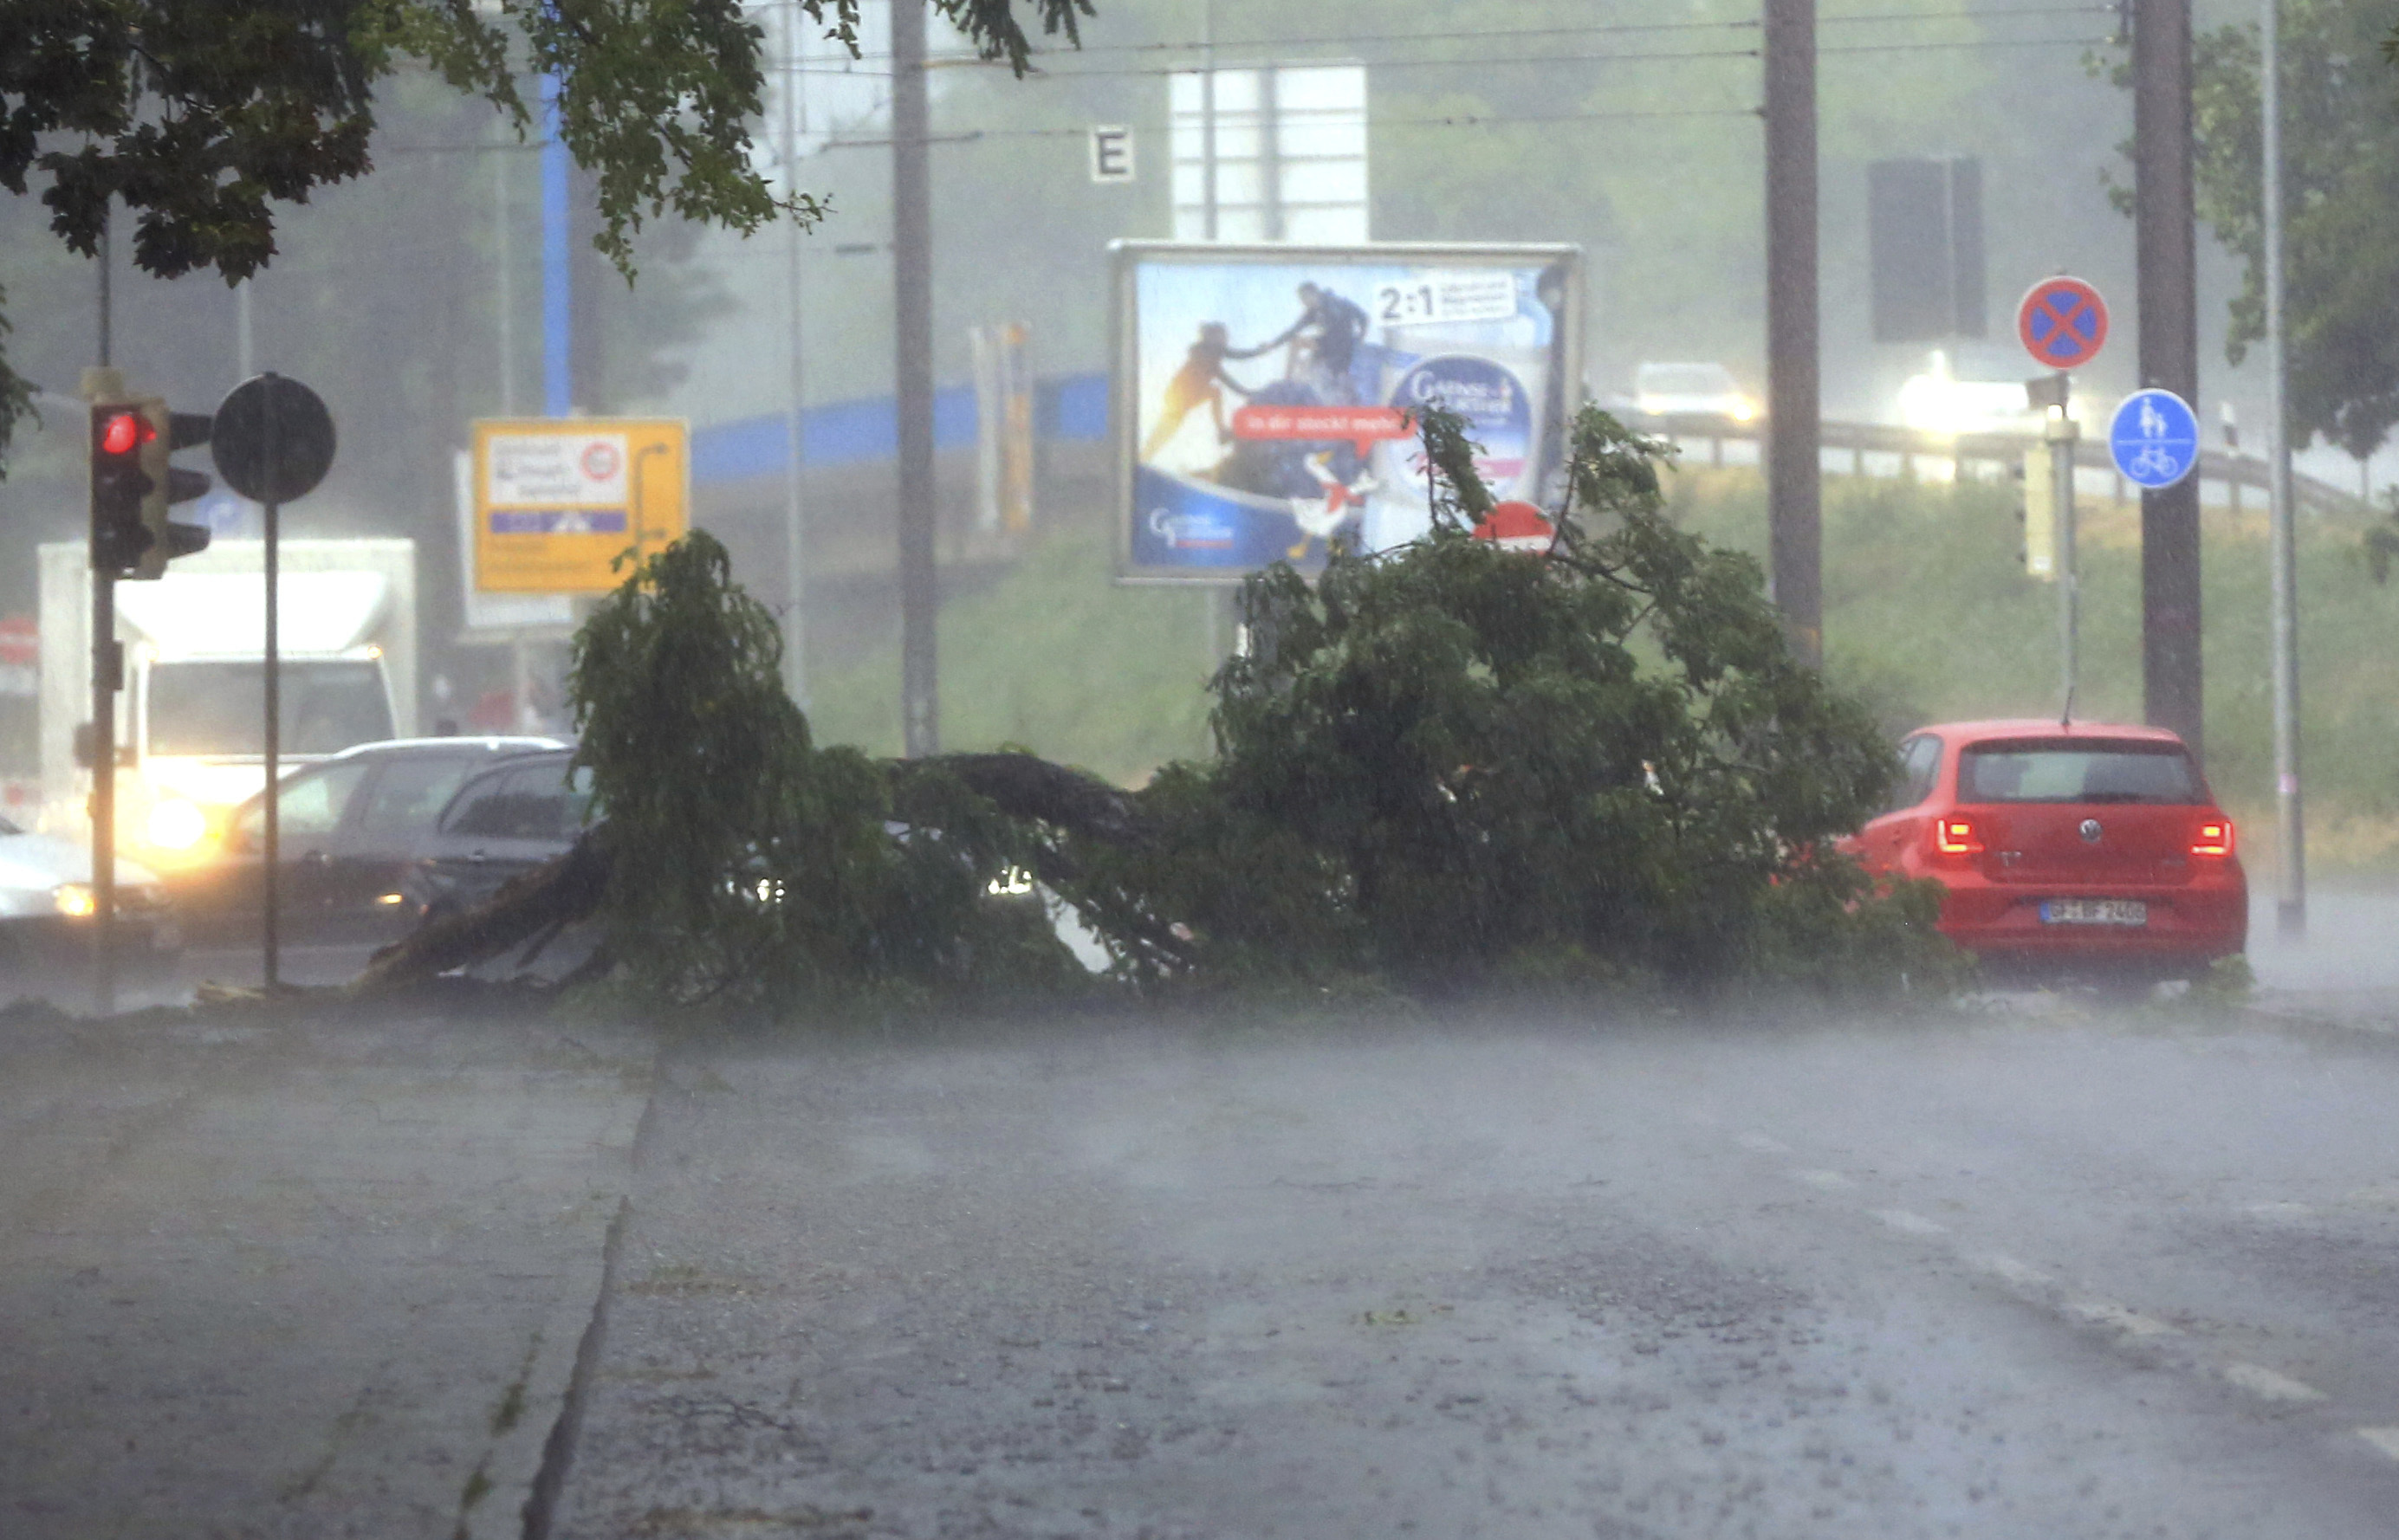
(107, 677)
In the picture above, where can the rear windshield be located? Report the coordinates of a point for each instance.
(2078, 770)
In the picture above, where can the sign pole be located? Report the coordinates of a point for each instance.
(2063, 322)
(272, 855)
(2062, 433)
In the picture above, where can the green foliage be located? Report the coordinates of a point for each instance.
(747, 864)
(2382, 541)
(1437, 760)
(2340, 168)
(1449, 766)
(202, 116)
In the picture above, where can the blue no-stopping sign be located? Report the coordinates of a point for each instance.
(2154, 438)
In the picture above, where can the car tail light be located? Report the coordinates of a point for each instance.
(2214, 837)
(1957, 837)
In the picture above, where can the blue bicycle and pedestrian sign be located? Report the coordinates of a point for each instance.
(2154, 438)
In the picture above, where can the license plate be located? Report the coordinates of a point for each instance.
(2095, 911)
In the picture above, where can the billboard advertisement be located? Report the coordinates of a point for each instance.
(1263, 393)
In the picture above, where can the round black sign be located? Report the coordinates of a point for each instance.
(272, 438)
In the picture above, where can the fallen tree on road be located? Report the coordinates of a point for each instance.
(1439, 766)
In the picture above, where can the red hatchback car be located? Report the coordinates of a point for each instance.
(2067, 848)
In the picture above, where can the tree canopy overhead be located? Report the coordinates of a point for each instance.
(201, 117)
(2340, 176)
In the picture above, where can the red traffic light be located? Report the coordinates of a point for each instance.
(125, 433)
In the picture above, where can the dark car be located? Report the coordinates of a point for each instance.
(350, 827)
(506, 820)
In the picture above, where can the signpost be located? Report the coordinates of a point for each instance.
(2154, 439)
(273, 440)
(556, 501)
(2063, 323)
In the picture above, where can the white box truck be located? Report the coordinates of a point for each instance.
(191, 720)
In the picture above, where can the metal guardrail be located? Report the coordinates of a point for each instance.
(2003, 450)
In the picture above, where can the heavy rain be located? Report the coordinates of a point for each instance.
(1157, 768)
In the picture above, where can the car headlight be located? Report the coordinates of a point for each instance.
(176, 825)
(76, 900)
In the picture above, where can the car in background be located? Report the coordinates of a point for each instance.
(1941, 401)
(349, 828)
(504, 821)
(47, 904)
(1690, 390)
(2067, 850)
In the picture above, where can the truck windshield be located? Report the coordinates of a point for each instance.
(220, 708)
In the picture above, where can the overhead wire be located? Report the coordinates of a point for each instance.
(1452, 120)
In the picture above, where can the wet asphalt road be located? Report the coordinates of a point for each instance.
(2015, 1274)
(2029, 1269)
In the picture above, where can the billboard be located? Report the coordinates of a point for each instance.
(558, 499)
(1262, 393)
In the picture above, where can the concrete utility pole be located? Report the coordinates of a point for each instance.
(2290, 824)
(2165, 234)
(1794, 484)
(795, 513)
(912, 297)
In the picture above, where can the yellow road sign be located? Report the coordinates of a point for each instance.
(557, 500)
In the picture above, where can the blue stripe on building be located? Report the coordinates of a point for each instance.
(1073, 410)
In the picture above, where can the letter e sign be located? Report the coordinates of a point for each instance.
(1111, 153)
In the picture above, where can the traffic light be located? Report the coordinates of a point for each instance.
(119, 483)
(134, 487)
(168, 431)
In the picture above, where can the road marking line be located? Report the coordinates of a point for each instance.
(2384, 1438)
(1829, 1181)
(2131, 1322)
(1757, 1143)
(2277, 1210)
(2261, 1381)
(1914, 1224)
(2021, 1273)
